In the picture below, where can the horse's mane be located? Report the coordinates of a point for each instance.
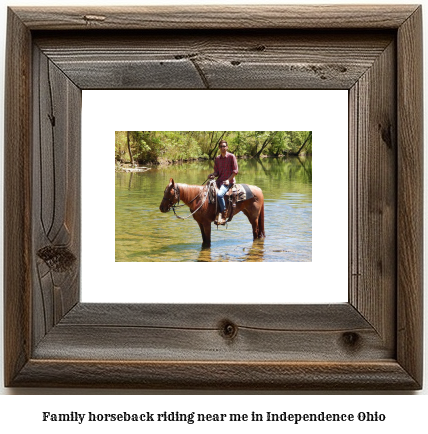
(188, 192)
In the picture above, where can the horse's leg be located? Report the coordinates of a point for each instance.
(261, 222)
(253, 219)
(255, 214)
(259, 206)
(205, 228)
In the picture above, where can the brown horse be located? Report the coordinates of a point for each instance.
(195, 197)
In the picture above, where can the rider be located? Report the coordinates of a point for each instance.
(225, 168)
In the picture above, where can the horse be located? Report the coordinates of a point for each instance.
(196, 198)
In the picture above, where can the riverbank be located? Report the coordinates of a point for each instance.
(130, 168)
(163, 162)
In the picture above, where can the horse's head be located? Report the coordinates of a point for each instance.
(171, 196)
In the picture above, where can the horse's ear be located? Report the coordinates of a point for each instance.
(171, 182)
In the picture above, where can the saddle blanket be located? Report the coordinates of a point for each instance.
(243, 191)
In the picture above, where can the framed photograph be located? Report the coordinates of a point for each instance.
(145, 238)
(371, 341)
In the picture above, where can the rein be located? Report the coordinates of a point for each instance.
(177, 191)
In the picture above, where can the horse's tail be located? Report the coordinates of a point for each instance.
(261, 222)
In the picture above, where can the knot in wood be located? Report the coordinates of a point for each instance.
(351, 340)
(257, 48)
(94, 18)
(228, 330)
(386, 134)
(58, 259)
(186, 56)
(52, 119)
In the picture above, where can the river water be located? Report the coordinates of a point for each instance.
(143, 233)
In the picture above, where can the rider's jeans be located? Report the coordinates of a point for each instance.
(220, 196)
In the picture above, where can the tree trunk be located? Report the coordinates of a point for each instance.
(266, 142)
(212, 151)
(129, 148)
(304, 143)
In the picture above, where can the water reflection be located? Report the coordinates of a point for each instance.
(205, 255)
(254, 253)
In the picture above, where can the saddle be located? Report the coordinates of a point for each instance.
(237, 193)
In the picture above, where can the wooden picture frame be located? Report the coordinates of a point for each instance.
(372, 342)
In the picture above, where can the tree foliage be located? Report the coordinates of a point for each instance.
(169, 146)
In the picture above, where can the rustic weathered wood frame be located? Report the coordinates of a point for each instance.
(372, 342)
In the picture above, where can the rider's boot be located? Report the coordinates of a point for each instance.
(222, 218)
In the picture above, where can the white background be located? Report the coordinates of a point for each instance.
(326, 116)
(16, 412)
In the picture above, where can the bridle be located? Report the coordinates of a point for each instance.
(173, 202)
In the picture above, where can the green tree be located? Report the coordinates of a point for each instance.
(158, 146)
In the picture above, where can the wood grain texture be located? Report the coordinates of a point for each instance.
(17, 198)
(386, 375)
(410, 196)
(56, 194)
(217, 17)
(341, 317)
(372, 342)
(373, 178)
(207, 60)
(199, 332)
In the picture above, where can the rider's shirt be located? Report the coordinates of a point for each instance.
(225, 166)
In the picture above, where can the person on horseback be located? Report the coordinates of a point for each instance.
(225, 169)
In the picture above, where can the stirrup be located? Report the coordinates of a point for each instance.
(223, 220)
(218, 217)
(220, 220)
